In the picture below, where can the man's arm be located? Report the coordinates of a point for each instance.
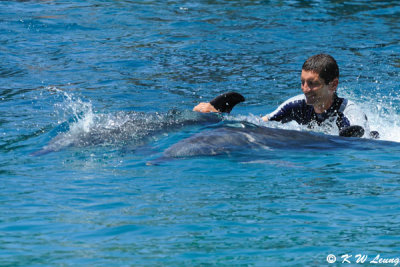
(284, 113)
(204, 108)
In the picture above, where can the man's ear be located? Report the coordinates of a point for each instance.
(334, 84)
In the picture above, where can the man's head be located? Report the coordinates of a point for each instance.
(319, 80)
(324, 65)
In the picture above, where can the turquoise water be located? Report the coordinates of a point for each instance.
(105, 87)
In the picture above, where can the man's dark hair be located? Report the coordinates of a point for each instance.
(323, 64)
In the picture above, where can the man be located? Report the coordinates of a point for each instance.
(319, 105)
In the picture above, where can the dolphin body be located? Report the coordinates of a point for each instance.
(134, 129)
(229, 139)
(131, 129)
(234, 137)
(220, 136)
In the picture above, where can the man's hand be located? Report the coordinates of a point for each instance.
(205, 108)
(265, 118)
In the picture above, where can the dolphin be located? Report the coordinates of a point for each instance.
(134, 129)
(233, 137)
(129, 129)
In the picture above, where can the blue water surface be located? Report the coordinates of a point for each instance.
(93, 95)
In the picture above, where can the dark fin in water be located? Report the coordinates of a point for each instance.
(374, 134)
(352, 131)
(226, 102)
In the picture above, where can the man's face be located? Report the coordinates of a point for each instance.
(315, 89)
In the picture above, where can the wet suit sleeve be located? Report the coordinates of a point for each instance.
(288, 110)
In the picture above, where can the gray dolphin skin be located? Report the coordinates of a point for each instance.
(229, 139)
(234, 137)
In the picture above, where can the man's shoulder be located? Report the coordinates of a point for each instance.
(295, 100)
(300, 97)
(288, 108)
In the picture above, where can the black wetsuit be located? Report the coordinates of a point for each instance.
(343, 113)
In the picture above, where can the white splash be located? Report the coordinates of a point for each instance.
(81, 111)
(382, 112)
